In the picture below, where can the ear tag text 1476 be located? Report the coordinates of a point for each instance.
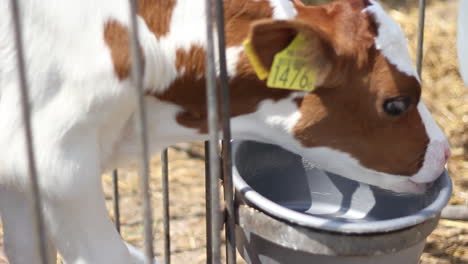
(291, 69)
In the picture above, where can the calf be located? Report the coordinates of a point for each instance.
(361, 115)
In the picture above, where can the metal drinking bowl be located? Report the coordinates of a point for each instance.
(296, 207)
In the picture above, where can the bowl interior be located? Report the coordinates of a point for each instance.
(287, 180)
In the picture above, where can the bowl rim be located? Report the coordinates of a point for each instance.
(260, 202)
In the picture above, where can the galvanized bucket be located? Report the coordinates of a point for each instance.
(291, 212)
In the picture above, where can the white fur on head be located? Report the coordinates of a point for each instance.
(283, 9)
(344, 164)
(436, 151)
(391, 40)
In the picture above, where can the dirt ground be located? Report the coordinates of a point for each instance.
(443, 92)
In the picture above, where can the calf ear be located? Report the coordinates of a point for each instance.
(268, 37)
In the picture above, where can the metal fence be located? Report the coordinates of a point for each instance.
(215, 216)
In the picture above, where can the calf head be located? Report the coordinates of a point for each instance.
(364, 119)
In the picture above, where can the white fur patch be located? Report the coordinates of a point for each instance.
(232, 58)
(344, 164)
(433, 130)
(163, 131)
(283, 9)
(286, 122)
(273, 123)
(434, 159)
(160, 70)
(391, 40)
(188, 25)
(181, 36)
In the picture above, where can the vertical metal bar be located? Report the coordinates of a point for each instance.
(166, 216)
(137, 75)
(227, 159)
(213, 125)
(422, 18)
(229, 201)
(26, 115)
(115, 181)
(209, 258)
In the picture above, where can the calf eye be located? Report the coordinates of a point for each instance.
(396, 105)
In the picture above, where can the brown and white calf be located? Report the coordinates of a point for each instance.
(364, 120)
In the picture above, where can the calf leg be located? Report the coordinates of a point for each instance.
(83, 231)
(76, 214)
(19, 228)
(77, 217)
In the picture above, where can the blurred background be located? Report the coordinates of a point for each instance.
(443, 92)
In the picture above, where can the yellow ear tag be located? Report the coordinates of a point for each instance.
(262, 73)
(291, 70)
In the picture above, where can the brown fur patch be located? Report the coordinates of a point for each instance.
(239, 15)
(157, 15)
(189, 92)
(343, 25)
(116, 37)
(354, 122)
(192, 62)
